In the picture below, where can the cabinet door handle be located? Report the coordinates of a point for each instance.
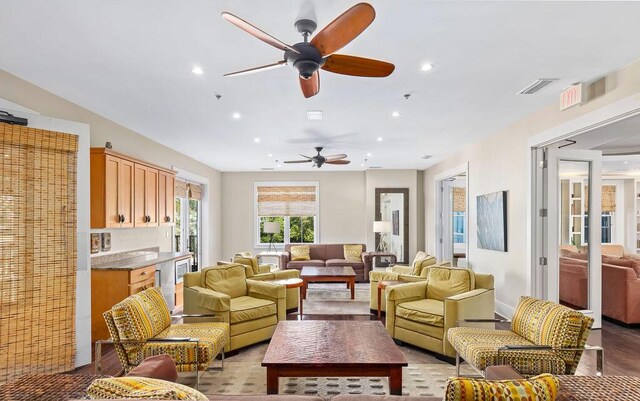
(143, 273)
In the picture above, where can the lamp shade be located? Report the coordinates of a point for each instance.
(381, 226)
(272, 227)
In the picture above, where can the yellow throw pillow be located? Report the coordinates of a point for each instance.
(352, 253)
(539, 388)
(141, 387)
(300, 252)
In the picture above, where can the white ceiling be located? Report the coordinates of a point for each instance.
(131, 62)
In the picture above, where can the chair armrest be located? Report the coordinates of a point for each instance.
(366, 257)
(398, 293)
(215, 317)
(264, 269)
(484, 321)
(378, 275)
(599, 352)
(210, 299)
(262, 289)
(401, 269)
(282, 274)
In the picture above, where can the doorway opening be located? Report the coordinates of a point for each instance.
(452, 217)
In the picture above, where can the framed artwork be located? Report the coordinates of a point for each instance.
(492, 221)
(395, 221)
(95, 242)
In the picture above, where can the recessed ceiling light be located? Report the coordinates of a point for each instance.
(379, 139)
(314, 114)
(626, 162)
(197, 70)
(270, 155)
(362, 165)
(395, 114)
(368, 154)
(256, 140)
(236, 115)
(426, 67)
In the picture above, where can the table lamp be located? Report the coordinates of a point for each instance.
(382, 227)
(271, 227)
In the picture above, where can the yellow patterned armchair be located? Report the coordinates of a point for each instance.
(420, 313)
(251, 307)
(544, 338)
(417, 271)
(140, 326)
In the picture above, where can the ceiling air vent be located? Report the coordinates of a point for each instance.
(536, 86)
(426, 157)
(267, 168)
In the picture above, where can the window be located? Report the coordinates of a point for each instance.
(293, 205)
(188, 220)
(606, 227)
(459, 235)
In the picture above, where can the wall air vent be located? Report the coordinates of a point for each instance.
(536, 86)
(426, 157)
(267, 168)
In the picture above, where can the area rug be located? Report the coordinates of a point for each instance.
(242, 374)
(335, 299)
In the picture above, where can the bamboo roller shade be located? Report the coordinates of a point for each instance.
(608, 198)
(459, 199)
(37, 251)
(182, 190)
(287, 200)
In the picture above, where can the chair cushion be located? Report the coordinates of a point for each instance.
(539, 388)
(249, 308)
(141, 316)
(352, 253)
(248, 261)
(228, 279)
(299, 264)
(161, 367)
(444, 282)
(421, 261)
(479, 347)
(141, 387)
(425, 311)
(300, 252)
(344, 262)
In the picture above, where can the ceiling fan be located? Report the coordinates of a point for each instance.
(308, 57)
(318, 160)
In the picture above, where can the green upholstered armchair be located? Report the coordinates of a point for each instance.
(545, 337)
(251, 307)
(417, 271)
(420, 313)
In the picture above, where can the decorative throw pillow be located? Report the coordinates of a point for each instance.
(160, 367)
(352, 253)
(539, 388)
(142, 387)
(300, 252)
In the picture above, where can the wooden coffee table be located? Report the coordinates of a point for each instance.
(333, 348)
(312, 274)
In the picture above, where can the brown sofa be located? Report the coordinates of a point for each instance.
(327, 255)
(620, 285)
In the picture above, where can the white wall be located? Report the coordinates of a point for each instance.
(499, 163)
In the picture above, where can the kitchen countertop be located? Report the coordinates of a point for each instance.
(140, 260)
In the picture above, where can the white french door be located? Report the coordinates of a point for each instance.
(569, 220)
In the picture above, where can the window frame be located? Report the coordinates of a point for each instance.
(287, 223)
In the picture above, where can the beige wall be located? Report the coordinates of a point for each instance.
(498, 163)
(129, 142)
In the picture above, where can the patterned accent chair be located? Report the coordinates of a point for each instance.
(417, 271)
(268, 275)
(139, 324)
(545, 337)
(420, 313)
(251, 307)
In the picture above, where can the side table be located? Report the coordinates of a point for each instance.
(291, 283)
(378, 255)
(381, 286)
(275, 255)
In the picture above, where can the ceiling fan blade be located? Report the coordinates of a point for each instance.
(344, 29)
(308, 157)
(310, 87)
(336, 157)
(357, 66)
(338, 162)
(256, 69)
(257, 32)
(297, 161)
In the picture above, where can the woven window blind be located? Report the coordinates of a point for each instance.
(37, 251)
(608, 198)
(459, 199)
(182, 190)
(287, 200)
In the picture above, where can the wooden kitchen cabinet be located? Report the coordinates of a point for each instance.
(178, 297)
(166, 198)
(110, 286)
(126, 192)
(145, 196)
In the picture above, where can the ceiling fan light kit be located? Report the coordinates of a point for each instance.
(308, 57)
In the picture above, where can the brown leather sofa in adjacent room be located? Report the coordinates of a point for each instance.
(328, 255)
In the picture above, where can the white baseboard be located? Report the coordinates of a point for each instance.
(504, 310)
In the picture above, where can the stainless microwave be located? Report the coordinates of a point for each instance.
(182, 268)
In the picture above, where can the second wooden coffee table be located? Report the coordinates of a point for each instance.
(333, 348)
(312, 274)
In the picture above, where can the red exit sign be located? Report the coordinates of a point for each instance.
(572, 96)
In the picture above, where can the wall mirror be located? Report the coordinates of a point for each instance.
(392, 206)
